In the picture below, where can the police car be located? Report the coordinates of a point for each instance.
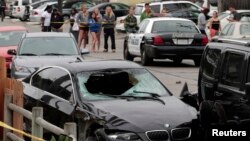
(165, 38)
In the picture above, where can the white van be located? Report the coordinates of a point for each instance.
(19, 7)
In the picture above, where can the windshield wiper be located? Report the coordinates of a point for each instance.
(53, 54)
(131, 97)
(28, 54)
(155, 96)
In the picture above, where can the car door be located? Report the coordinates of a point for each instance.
(208, 76)
(228, 33)
(225, 30)
(53, 87)
(135, 39)
(230, 91)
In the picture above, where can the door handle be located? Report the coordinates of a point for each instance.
(218, 94)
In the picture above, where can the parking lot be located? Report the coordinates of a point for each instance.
(171, 75)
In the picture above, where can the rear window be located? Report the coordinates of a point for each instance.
(138, 10)
(10, 38)
(245, 29)
(174, 26)
(171, 7)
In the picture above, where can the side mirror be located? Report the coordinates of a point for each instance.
(84, 51)
(64, 138)
(11, 52)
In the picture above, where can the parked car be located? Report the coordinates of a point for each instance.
(39, 3)
(235, 30)
(161, 38)
(36, 14)
(38, 49)
(119, 9)
(224, 86)
(190, 8)
(9, 39)
(110, 100)
(68, 5)
(19, 9)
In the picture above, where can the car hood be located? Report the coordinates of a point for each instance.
(40, 61)
(145, 115)
(4, 51)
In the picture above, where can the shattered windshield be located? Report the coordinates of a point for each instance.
(101, 85)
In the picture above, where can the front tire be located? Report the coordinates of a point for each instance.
(126, 54)
(145, 59)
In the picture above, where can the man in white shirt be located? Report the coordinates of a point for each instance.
(46, 18)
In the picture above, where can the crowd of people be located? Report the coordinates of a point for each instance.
(82, 24)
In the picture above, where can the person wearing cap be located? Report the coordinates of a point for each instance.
(202, 21)
(147, 13)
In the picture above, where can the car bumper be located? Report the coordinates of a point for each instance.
(184, 52)
(35, 18)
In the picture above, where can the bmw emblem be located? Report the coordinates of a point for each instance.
(167, 125)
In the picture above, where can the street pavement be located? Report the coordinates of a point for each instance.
(171, 75)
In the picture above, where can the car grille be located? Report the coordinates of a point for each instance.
(158, 135)
(181, 133)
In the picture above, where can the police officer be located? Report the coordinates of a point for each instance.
(130, 23)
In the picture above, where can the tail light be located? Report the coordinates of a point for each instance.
(18, 9)
(204, 40)
(158, 41)
(35, 13)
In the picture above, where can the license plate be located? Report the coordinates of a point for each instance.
(182, 42)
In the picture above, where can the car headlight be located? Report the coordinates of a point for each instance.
(124, 137)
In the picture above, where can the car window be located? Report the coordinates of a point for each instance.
(171, 7)
(231, 30)
(223, 15)
(48, 45)
(156, 8)
(245, 29)
(174, 26)
(225, 29)
(97, 85)
(138, 10)
(211, 62)
(55, 81)
(122, 6)
(26, 2)
(143, 26)
(188, 6)
(10, 38)
(232, 69)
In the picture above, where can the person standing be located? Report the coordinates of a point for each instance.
(46, 18)
(94, 28)
(130, 23)
(214, 24)
(108, 28)
(74, 27)
(98, 34)
(201, 23)
(2, 9)
(234, 15)
(56, 21)
(82, 20)
(147, 13)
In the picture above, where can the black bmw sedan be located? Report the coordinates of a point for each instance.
(110, 101)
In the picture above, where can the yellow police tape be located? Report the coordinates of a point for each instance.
(4, 125)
